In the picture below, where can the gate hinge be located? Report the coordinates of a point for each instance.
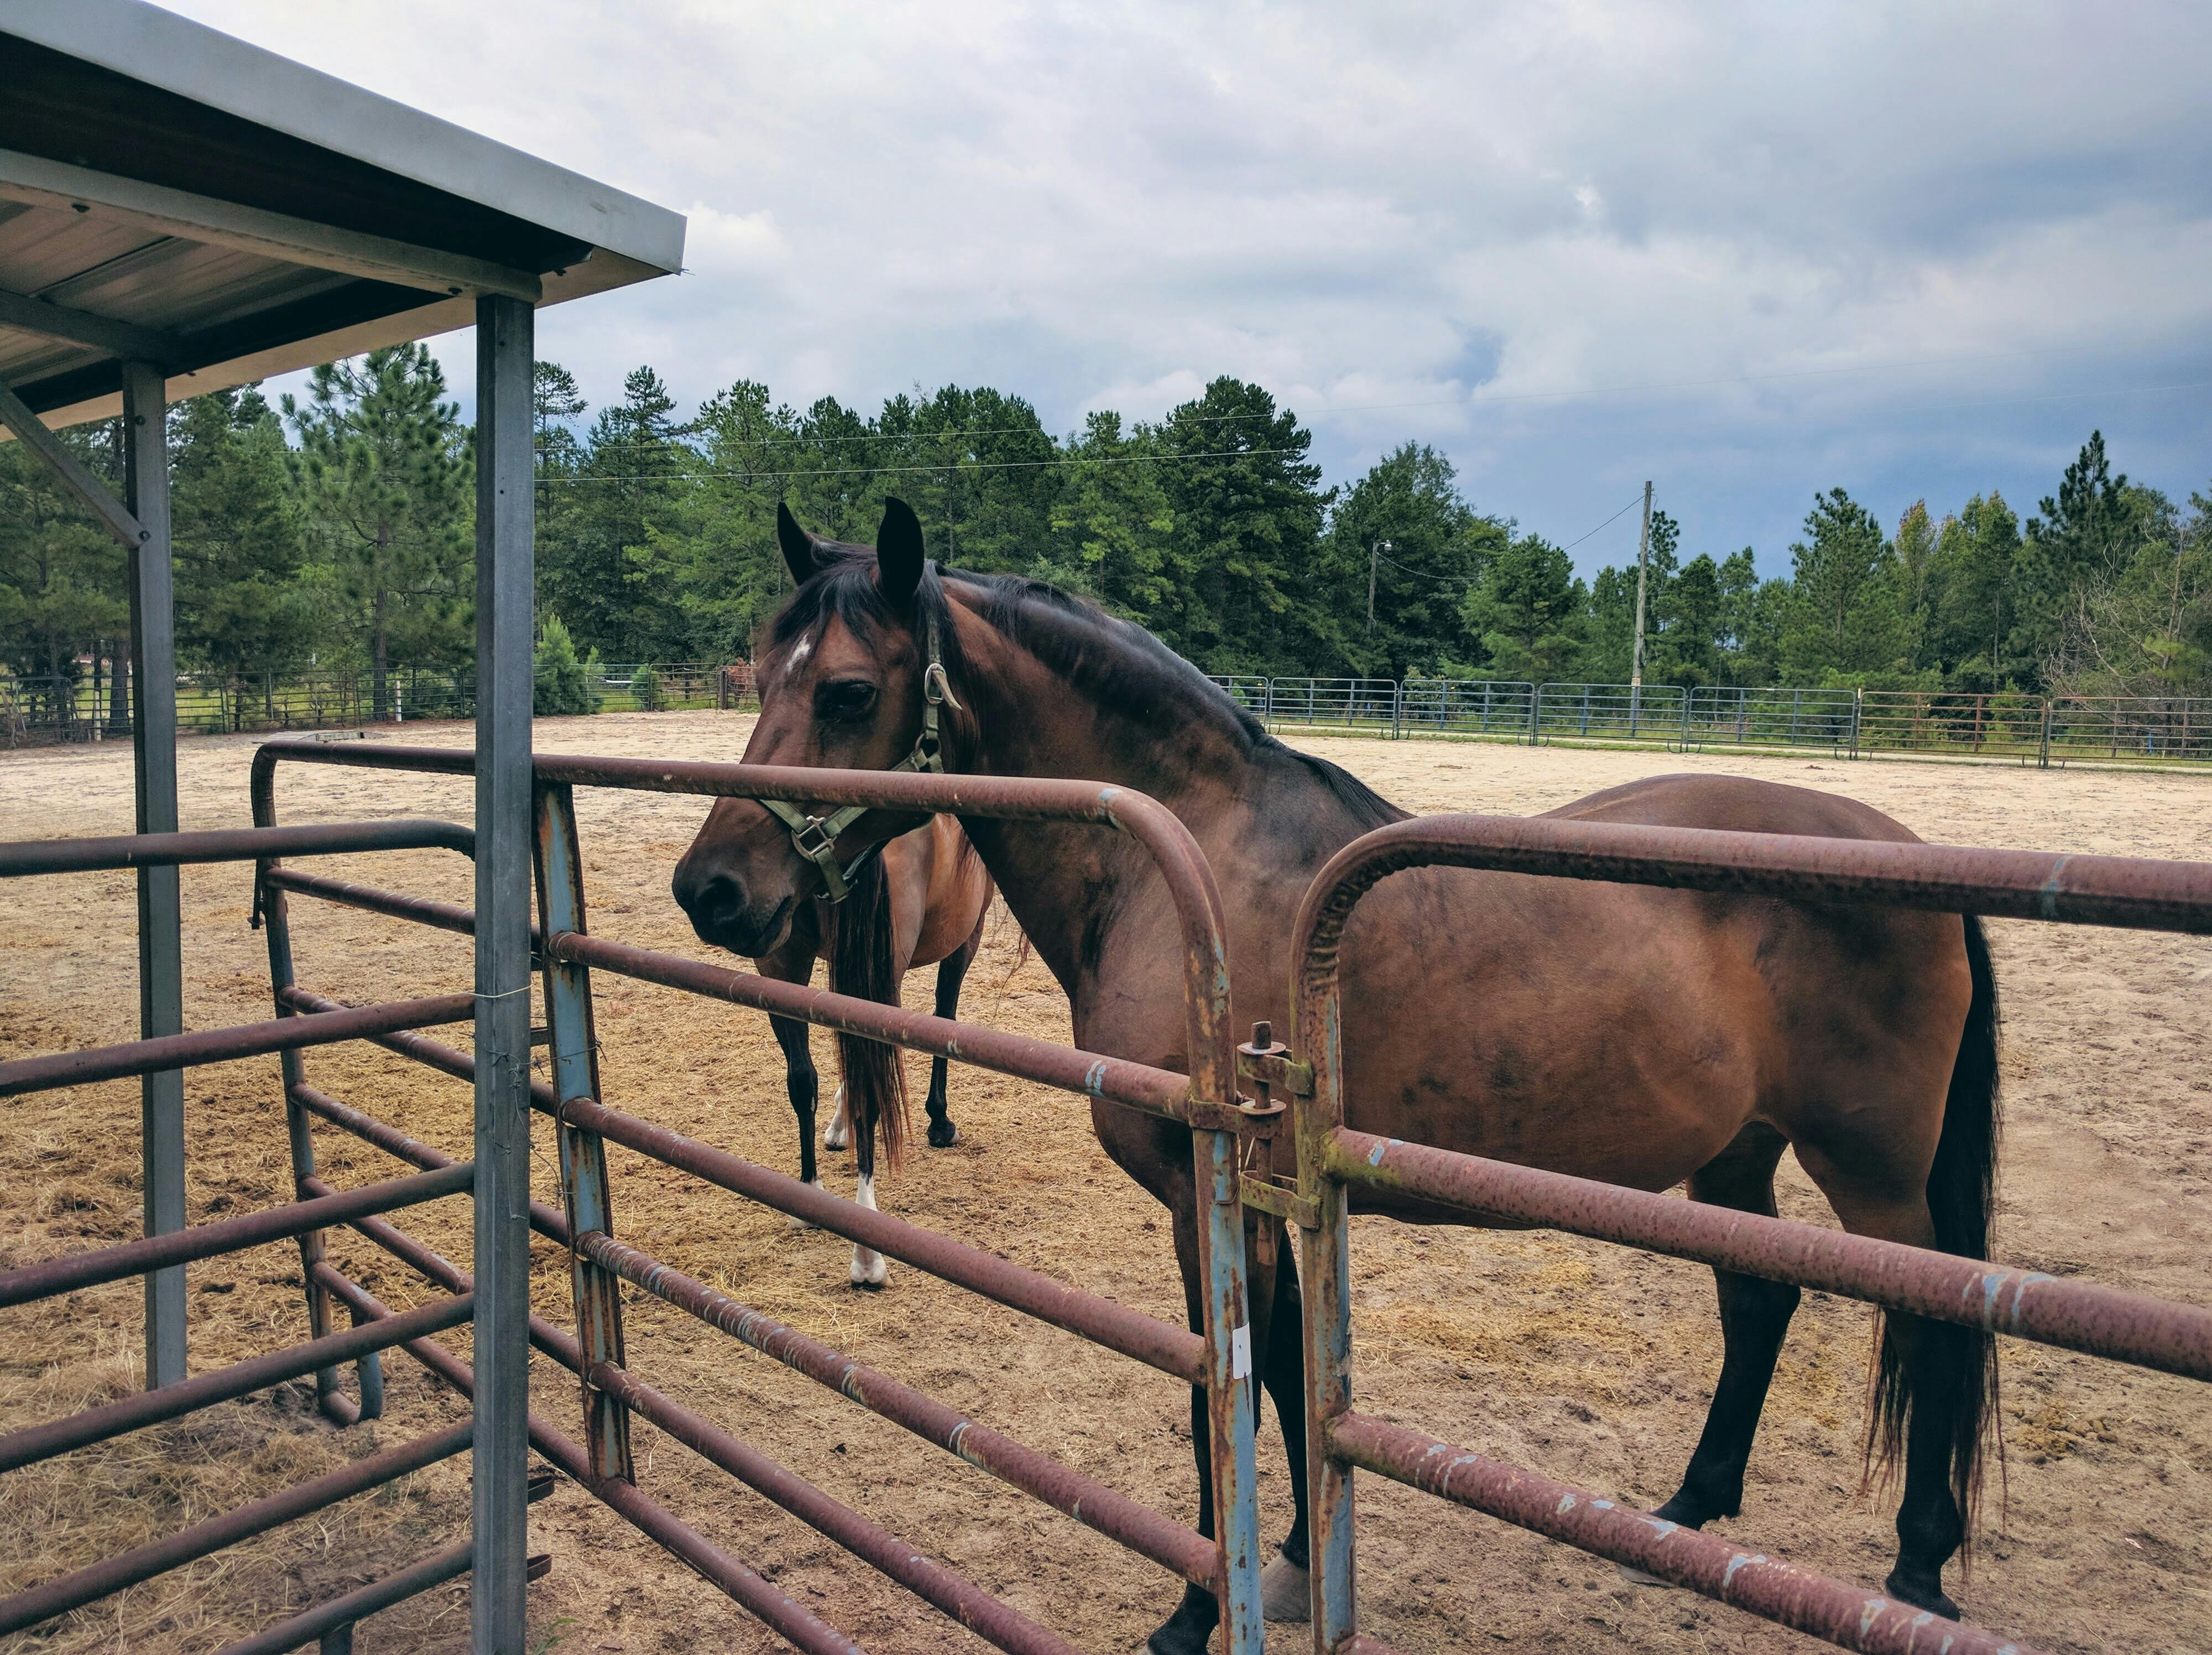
(1269, 1063)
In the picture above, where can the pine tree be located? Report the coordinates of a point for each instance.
(612, 567)
(241, 608)
(1248, 510)
(1848, 620)
(1438, 548)
(386, 471)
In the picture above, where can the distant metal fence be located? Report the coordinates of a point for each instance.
(41, 712)
(1372, 702)
(1929, 723)
(1462, 706)
(1721, 716)
(1609, 712)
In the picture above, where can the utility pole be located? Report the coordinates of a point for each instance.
(1374, 560)
(1642, 573)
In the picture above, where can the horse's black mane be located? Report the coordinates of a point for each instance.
(1119, 663)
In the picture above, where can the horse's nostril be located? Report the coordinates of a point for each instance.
(718, 903)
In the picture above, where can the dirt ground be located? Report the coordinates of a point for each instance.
(1591, 1363)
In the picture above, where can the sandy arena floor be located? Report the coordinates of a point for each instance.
(1591, 1363)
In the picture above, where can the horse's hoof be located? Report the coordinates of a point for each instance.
(869, 1271)
(1931, 1597)
(1638, 1578)
(1286, 1592)
(943, 1134)
(833, 1139)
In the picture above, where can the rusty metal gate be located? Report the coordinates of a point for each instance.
(1205, 1099)
(1333, 1159)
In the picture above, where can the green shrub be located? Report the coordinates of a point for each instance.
(562, 683)
(645, 685)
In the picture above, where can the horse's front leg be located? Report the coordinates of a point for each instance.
(794, 963)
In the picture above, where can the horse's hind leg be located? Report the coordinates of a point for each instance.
(1755, 1317)
(1285, 1586)
(950, 973)
(1929, 1391)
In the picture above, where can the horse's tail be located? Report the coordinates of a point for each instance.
(862, 964)
(1961, 1380)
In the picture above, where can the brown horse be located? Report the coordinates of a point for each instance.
(919, 901)
(1636, 1035)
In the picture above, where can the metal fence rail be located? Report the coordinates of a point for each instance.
(1205, 1099)
(1333, 1159)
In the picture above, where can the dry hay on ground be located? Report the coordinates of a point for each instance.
(1590, 1362)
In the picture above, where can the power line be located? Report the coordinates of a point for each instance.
(1623, 512)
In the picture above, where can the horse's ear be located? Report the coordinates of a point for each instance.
(797, 544)
(899, 553)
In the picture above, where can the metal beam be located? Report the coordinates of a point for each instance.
(124, 339)
(160, 929)
(31, 429)
(505, 464)
(250, 230)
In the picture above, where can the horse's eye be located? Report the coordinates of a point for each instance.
(851, 698)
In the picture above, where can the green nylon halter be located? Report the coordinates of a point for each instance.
(815, 837)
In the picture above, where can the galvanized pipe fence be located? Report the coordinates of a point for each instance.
(1334, 1159)
(2041, 730)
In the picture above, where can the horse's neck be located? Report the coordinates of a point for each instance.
(1264, 820)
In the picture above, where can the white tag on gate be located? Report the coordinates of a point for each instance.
(1240, 1353)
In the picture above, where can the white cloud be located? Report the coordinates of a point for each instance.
(1107, 207)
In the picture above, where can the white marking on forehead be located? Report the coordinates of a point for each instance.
(800, 652)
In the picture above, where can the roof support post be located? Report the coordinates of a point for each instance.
(505, 528)
(154, 760)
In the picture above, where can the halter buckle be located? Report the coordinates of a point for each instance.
(813, 840)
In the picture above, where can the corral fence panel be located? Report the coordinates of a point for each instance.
(1369, 703)
(1964, 725)
(1609, 712)
(1498, 706)
(1724, 715)
(2144, 727)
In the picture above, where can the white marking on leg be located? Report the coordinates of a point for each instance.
(839, 1132)
(797, 1222)
(868, 1267)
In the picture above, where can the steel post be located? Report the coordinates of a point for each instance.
(594, 1289)
(1229, 1385)
(505, 462)
(160, 946)
(1324, 1279)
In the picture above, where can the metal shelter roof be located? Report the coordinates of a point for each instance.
(170, 194)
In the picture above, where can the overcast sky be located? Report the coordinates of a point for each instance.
(1750, 252)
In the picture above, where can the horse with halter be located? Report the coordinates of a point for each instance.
(918, 899)
(1626, 1033)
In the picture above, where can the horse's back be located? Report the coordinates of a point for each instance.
(1738, 804)
(1629, 1032)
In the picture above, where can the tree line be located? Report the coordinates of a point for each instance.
(335, 532)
